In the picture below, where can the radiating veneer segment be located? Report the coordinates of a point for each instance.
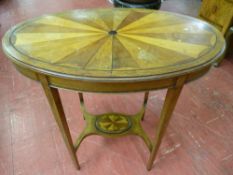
(114, 43)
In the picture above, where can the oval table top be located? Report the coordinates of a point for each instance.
(113, 44)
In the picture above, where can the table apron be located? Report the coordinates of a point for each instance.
(110, 87)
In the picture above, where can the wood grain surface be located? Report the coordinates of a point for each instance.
(114, 43)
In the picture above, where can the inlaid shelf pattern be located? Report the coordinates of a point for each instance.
(113, 124)
(113, 51)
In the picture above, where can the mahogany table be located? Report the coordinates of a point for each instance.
(113, 51)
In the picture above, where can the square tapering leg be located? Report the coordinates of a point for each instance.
(59, 115)
(168, 107)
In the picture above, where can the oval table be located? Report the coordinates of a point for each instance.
(113, 51)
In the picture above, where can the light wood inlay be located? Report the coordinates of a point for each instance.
(102, 43)
(113, 50)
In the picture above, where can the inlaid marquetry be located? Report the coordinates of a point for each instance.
(113, 123)
(113, 50)
(113, 43)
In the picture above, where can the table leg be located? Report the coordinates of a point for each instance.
(146, 95)
(81, 100)
(59, 115)
(168, 107)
